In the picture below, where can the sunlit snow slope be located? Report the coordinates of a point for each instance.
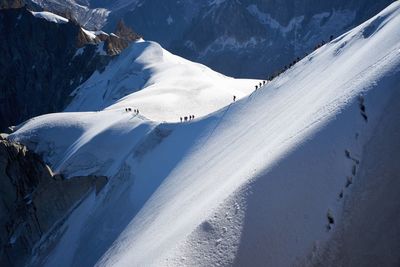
(164, 87)
(252, 184)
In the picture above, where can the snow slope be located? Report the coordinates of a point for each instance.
(250, 184)
(50, 17)
(164, 87)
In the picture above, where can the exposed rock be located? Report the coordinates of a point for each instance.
(125, 32)
(34, 201)
(41, 64)
(123, 36)
(5, 4)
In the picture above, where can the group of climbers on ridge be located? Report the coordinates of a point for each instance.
(276, 74)
(136, 111)
(187, 118)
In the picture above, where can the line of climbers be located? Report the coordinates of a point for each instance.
(187, 118)
(136, 111)
(286, 67)
(276, 74)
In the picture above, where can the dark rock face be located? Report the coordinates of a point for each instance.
(11, 4)
(34, 202)
(41, 64)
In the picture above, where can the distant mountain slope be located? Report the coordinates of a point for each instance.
(260, 182)
(244, 38)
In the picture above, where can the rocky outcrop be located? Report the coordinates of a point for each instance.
(41, 63)
(34, 201)
(123, 36)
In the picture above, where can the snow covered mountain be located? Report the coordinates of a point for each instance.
(246, 38)
(281, 177)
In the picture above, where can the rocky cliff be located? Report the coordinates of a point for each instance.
(34, 202)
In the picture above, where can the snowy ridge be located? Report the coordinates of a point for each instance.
(257, 181)
(164, 87)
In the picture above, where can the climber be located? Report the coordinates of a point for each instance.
(181, 119)
(234, 98)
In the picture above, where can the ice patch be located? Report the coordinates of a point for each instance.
(50, 17)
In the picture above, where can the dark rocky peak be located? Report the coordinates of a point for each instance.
(123, 36)
(126, 32)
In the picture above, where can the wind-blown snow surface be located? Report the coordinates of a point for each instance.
(250, 184)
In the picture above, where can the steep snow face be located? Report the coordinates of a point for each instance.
(50, 17)
(164, 87)
(260, 182)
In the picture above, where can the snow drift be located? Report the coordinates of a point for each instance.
(259, 182)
